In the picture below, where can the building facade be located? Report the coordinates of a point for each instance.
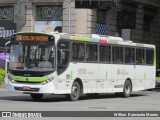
(137, 20)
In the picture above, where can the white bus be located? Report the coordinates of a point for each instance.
(56, 63)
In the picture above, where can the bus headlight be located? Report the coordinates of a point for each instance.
(13, 81)
(47, 81)
(10, 79)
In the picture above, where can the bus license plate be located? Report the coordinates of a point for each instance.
(26, 88)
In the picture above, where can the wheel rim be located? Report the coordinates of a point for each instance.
(127, 88)
(75, 91)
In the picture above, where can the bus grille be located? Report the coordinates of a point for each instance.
(31, 89)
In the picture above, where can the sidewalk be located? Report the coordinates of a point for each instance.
(3, 86)
(3, 89)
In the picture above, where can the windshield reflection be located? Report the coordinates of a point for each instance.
(32, 58)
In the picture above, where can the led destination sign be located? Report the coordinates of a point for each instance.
(32, 38)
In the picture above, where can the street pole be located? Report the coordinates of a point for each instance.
(69, 15)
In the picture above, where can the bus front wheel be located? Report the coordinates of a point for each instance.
(75, 92)
(37, 96)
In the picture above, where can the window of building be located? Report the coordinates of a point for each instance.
(6, 13)
(91, 52)
(49, 12)
(149, 56)
(129, 55)
(104, 53)
(117, 54)
(101, 16)
(140, 57)
(90, 4)
(147, 23)
(78, 51)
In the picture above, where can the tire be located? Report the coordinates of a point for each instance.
(36, 96)
(127, 89)
(75, 92)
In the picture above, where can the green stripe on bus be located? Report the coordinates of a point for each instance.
(71, 75)
(155, 57)
(85, 39)
(80, 38)
(28, 79)
(158, 78)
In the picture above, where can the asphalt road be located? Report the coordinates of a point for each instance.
(139, 101)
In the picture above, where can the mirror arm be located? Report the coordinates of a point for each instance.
(6, 49)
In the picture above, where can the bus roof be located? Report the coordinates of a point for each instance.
(94, 38)
(104, 39)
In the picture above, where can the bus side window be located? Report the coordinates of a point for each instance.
(81, 52)
(140, 59)
(78, 51)
(104, 53)
(92, 52)
(75, 51)
(149, 56)
(117, 54)
(129, 55)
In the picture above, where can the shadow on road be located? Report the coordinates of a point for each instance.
(109, 96)
(157, 89)
(27, 98)
(62, 98)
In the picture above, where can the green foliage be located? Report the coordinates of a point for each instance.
(2, 74)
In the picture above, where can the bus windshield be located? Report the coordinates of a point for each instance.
(32, 57)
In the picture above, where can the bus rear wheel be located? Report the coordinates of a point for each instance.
(37, 96)
(75, 92)
(127, 89)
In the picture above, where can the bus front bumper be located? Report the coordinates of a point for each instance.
(48, 88)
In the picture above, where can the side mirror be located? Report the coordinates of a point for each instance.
(5, 52)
